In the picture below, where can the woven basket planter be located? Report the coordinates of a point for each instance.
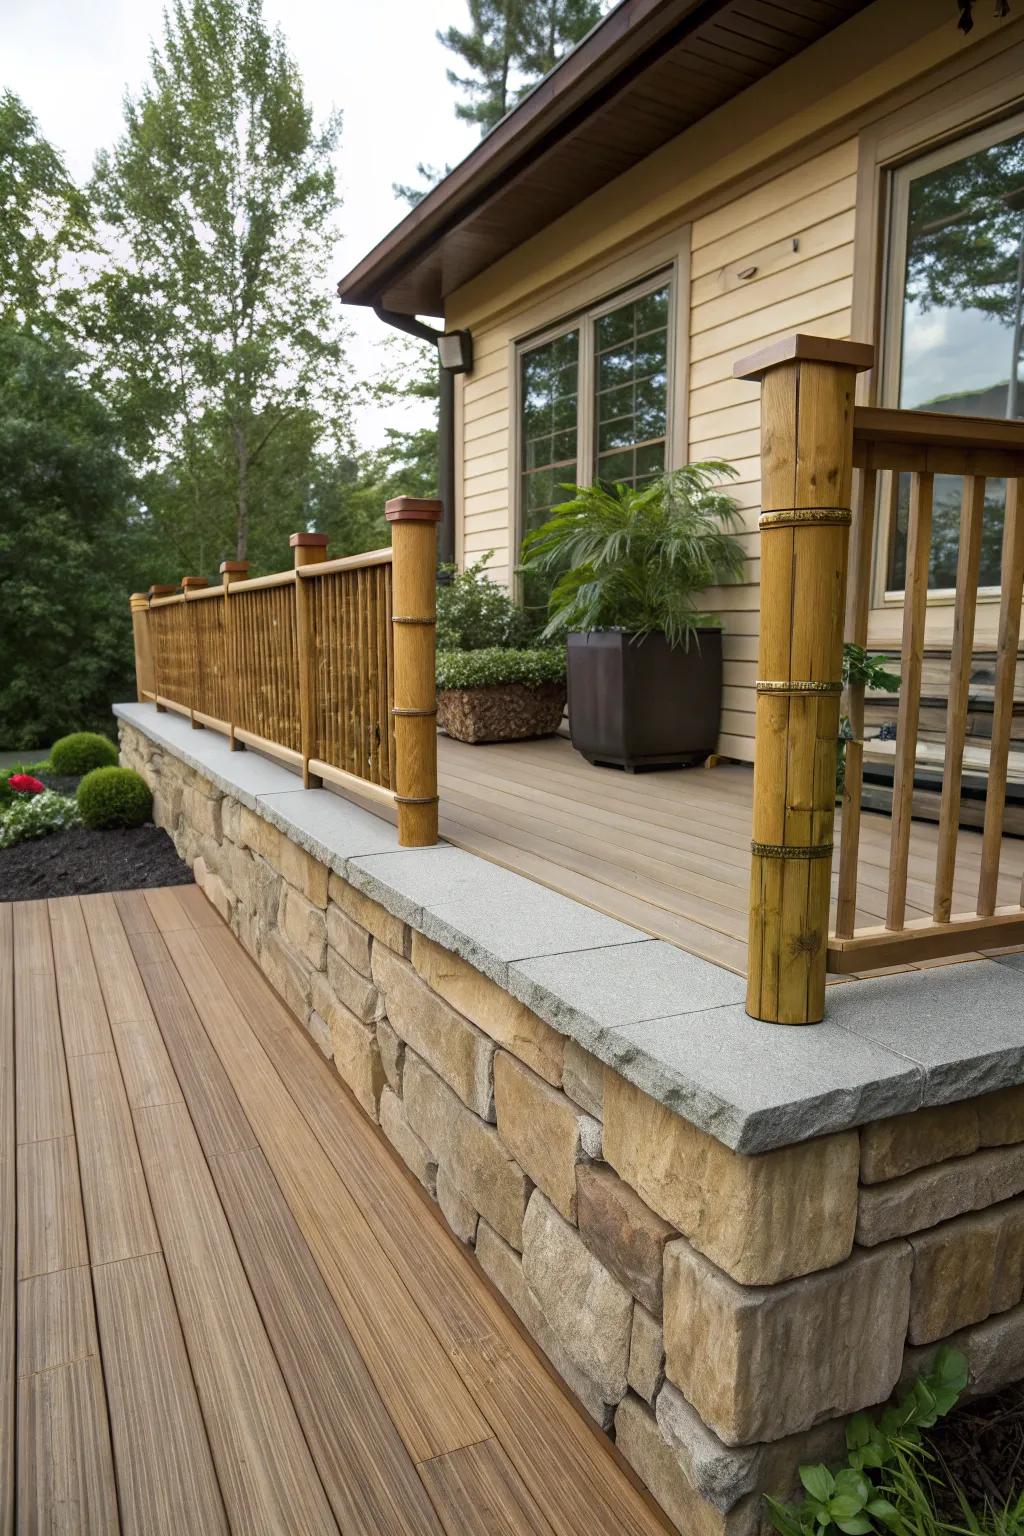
(504, 712)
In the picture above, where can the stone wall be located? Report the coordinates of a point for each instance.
(719, 1314)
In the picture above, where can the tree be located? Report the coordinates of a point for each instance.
(218, 320)
(429, 176)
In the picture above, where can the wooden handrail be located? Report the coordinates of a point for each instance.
(931, 442)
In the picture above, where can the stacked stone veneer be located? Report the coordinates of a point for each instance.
(720, 1314)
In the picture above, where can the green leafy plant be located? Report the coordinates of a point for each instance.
(494, 666)
(30, 816)
(860, 667)
(114, 797)
(638, 559)
(7, 794)
(475, 613)
(81, 753)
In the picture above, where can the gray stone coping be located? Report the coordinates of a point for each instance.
(668, 1021)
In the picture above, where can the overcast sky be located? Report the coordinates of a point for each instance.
(378, 60)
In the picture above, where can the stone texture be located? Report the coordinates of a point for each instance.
(966, 1269)
(508, 1022)
(994, 1350)
(474, 1157)
(545, 1131)
(583, 1079)
(328, 826)
(288, 973)
(456, 1209)
(762, 1219)
(640, 1441)
(213, 888)
(584, 1304)
(627, 1236)
(1001, 1117)
(302, 871)
(349, 938)
(925, 1198)
(458, 1051)
(416, 1156)
(904, 1143)
(354, 989)
(319, 1031)
(761, 1362)
(369, 914)
(231, 818)
(392, 1054)
(645, 1372)
(357, 1057)
(202, 812)
(258, 834)
(304, 926)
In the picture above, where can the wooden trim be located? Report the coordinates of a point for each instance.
(352, 782)
(922, 939)
(259, 583)
(345, 563)
(164, 703)
(270, 748)
(211, 722)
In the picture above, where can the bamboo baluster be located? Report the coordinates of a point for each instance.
(309, 549)
(158, 656)
(370, 586)
(972, 511)
(414, 542)
(192, 584)
(383, 706)
(915, 608)
(344, 615)
(807, 402)
(1012, 580)
(861, 544)
(364, 726)
(231, 570)
(139, 606)
(389, 642)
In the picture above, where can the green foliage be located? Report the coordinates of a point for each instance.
(860, 667)
(884, 1485)
(7, 794)
(30, 816)
(114, 797)
(491, 667)
(637, 559)
(82, 752)
(474, 612)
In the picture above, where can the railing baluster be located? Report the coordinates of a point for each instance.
(309, 549)
(919, 540)
(972, 510)
(858, 593)
(1012, 579)
(231, 570)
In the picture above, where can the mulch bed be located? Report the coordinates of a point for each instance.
(79, 861)
(982, 1445)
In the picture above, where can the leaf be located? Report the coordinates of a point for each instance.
(858, 1431)
(858, 1525)
(819, 1482)
(881, 1509)
(844, 1506)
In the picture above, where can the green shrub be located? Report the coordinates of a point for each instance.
(37, 770)
(35, 815)
(475, 613)
(81, 753)
(114, 797)
(494, 666)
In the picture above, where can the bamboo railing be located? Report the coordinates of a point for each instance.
(814, 439)
(328, 667)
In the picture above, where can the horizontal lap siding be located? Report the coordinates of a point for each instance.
(809, 289)
(486, 493)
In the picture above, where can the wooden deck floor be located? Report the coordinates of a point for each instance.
(668, 852)
(225, 1306)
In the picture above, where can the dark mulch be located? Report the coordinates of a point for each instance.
(982, 1444)
(79, 860)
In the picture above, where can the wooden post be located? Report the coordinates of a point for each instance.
(309, 549)
(139, 604)
(414, 576)
(231, 570)
(807, 401)
(158, 591)
(194, 584)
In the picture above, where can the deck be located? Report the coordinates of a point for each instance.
(668, 852)
(225, 1305)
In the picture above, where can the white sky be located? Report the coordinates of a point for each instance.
(71, 60)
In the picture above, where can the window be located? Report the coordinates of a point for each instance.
(954, 318)
(631, 390)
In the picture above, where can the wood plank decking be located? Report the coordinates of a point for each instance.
(668, 852)
(224, 1305)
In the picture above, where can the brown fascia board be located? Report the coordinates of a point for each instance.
(615, 51)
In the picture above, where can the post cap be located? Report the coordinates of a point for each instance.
(858, 355)
(193, 583)
(139, 600)
(412, 509)
(162, 590)
(308, 541)
(233, 567)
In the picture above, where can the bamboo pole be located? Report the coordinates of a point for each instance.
(807, 401)
(308, 549)
(144, 682)
(231, 571)
(414, 542)
(155, 591)
(191, 584)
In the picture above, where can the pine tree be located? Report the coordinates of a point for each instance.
(551, 29)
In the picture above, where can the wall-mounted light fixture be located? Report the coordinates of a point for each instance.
(455, 351)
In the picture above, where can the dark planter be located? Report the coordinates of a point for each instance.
(639, 703)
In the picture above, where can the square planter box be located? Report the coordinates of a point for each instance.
(505, 712)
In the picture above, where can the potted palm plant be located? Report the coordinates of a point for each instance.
(644, 663)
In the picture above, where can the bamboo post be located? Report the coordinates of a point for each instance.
(807, 403)
(194, 584)
(414, 576)
(308, 549)
(139, 605)
(231, 570)
(158, 590)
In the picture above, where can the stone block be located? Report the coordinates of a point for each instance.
(349, 938)
(319, 1031)
(994, 1351)
(627, 1236)
(456, 1209)
(202, 812)
(369, 914)
(357, 1057)
(265, 892)
(392, 1054)
(923, 1199)
(304, 926)
(751, 1359)
(762, 1218)
(508, 1022)
(904, 1143)
(583, 1079)
(288, 973)
(966, 1269)
(1001, 1117)
(231, 818)
(645, 1372)
(354, 989)
(545, 1131)
(640, 1441)
(416, 1156)
(302, 871)
(259, 835)
(459, 1052)
(473, 1155)
(588, 1309)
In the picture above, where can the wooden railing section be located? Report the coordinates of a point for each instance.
(816, 564)
(328, 667)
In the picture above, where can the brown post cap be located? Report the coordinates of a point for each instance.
(308, 541)
(412, 509)
(806, 349)
(138, 600)
(162, 590)
(193, 583)
(233, 567)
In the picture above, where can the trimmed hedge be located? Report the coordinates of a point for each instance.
(494, 666)
(114, 797)
(81, 753)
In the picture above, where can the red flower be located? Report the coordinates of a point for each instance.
(25, 784)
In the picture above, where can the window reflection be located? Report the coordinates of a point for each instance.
(631, 390)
